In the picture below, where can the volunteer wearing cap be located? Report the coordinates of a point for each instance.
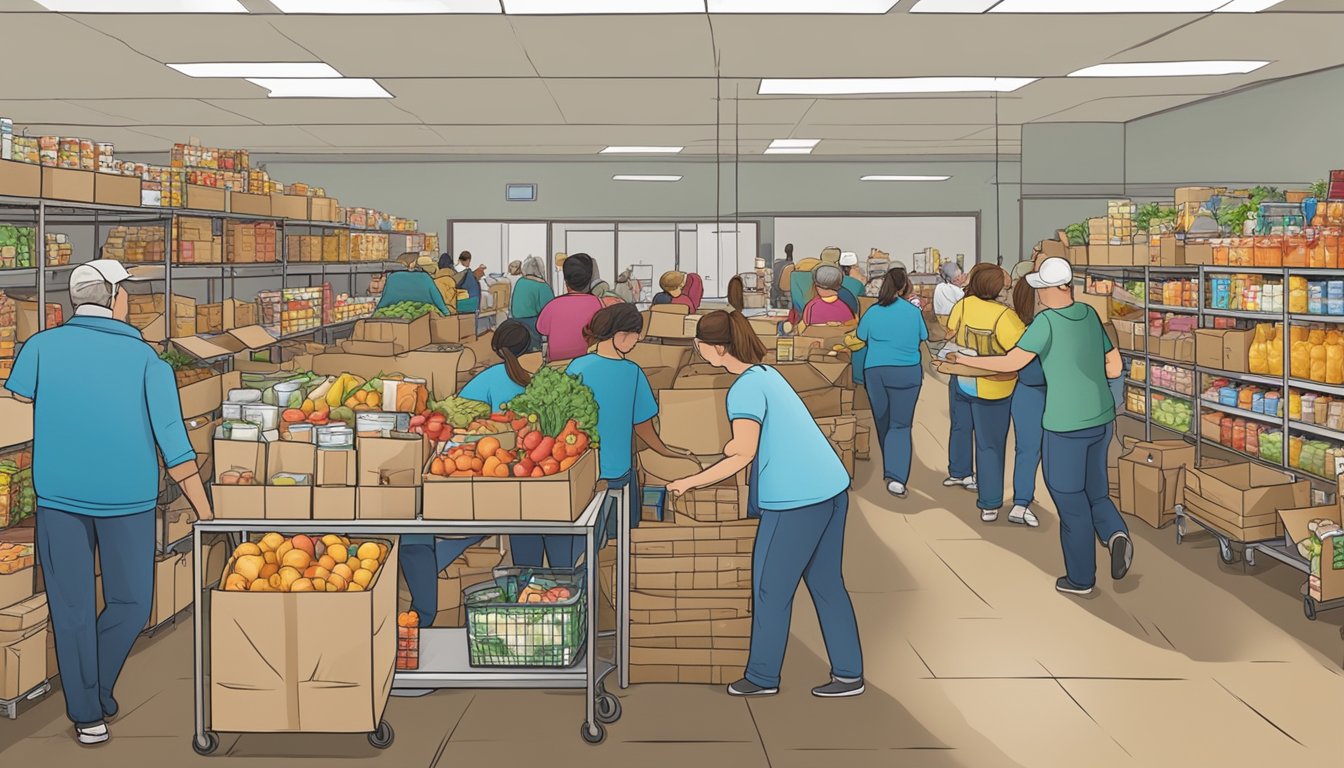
(1078, 360)
(106, 504)
(412, 284)
(849, 264)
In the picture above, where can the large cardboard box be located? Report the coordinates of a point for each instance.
(1327, 583)
(114, 189)
(721, 502)
(404, 336)
(668, 321)
(1199, 254)
(21, 179)
(24, 615)
(251, 205)
(289, 207)
(657, 356)
(560, 498)
(16, 587)
(821, 397)
(1150, 479)
(438, 367)
(334, 496)
(23, 660)
(67, 184)
(388, 476)
(1237, 350)
(444, 329)
(276, 665)
(290, 502)
(1171, 251)
(1242, 500)
(203, 198)
(245, 502)
(173, 587)
(238, 341)
(694, 414)
(1102, 304)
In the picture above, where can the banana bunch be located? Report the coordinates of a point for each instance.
(334, 396)
(852, 343)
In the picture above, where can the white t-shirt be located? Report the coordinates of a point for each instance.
(946, 296)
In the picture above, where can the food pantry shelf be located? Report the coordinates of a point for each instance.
(1297, 318)
(1232, 411)
(1174, 309)
(1316, 386)
(1242, 314)
(1249, 457)
(1317, 430)
(1253, 378)
(1245, 270)
(1168, 392)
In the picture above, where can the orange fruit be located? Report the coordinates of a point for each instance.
(487, 446)
(297, 559)
(326, 561)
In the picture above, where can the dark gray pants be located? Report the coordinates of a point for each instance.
(92, 647)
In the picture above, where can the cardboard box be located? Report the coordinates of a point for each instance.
(659, 356)
(1150, 480)
(445, 330)
(16, 587)
(693, 414)
(1242, 500)
(23, 661)
(67, 184)
(1171, 251)
(466, 327)
(668, 321)
(231, 343)
(114, 189)
(203, 198)
(404, 336)
(173, 587)
(1177, 346)
(22, 179)
(205, 396)
(290, 502)
(334, 496)
(1237, 350)
(388, 477)
(245, 502)
(1078, 254)
(322, 208)
(439, 368)
(1198, 254)
(250, 205)
(1102, 304)
(724, 501)
(1328, 583)
(819, 395)
(289, 207)
(276, 666)
(239, 314)
(561, 497)
(1194, 195)
(24, 615)
(175, 521)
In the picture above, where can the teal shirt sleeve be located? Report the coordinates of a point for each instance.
(23, 378)
(645, 406)
(165, 414)
(864, 324)
(746, 401)
(412, 286)
(1037, 338)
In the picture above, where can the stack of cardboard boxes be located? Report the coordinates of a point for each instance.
(24, 628)
(147, 312)
(196, 242)
(333, 247)
(134, 245)
(250, 243)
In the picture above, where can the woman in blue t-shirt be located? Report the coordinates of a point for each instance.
(423, 557)
(893, 331)
(801, 492)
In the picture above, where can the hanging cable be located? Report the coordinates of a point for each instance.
(998, 198)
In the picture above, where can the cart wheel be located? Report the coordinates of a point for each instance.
(1225, 552)
(206, 746)
(1309, 607)
(382, 738)
(608, 709)
(1180, 529)
(593, 733)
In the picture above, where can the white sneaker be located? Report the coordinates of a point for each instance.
(93, 734)
(896, 489)
(1023, 516)
(989, 515)
(964, 482)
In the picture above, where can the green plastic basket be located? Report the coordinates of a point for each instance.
(504, 633)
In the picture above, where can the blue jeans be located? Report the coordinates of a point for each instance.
(91, 647)
(858, 360)
(1028, 410)
(986, 423)
(562, 552)
(422, 558)
(1075, 475)
(804, 544)
(893, 391)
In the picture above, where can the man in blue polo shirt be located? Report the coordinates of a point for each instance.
(107, 504)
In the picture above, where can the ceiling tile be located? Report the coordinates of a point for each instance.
(383, 136)
(163, 112)
(193, 38)
(633, 46)
(902, 111)
(476, 101)
(317, 111)
(642, 102)
(52, 111)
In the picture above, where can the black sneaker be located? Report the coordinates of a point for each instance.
(1122, 555)
(1069, 588)
(839, 689)
(745, 687)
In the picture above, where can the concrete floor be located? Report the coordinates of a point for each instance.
(972, 659)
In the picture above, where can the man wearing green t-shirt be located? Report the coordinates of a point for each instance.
(1078, 361)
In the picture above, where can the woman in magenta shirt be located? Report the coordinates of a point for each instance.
(563, 319)
(827, 306)
(691, 293)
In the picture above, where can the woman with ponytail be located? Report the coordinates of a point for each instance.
(800, 491)
(894, 331)
(1028, 410)
(423, 557)
(625, 408)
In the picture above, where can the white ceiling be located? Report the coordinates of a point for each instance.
(565, 85)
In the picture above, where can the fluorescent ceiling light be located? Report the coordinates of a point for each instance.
(905, 178)
(595, 7)
(854, 86)
(1248, 6)
(261, 69)
(800, 6)
(953, 6)
(322, 88)
(794, 143)
(1107, 6)
(788, 151)
(387, 6)
(1170, 69)
(645, 178)
(143, 6)
(641, 150)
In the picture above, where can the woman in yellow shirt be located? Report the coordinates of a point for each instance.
(981, 407)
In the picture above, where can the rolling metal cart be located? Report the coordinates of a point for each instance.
(1285, 552)
(1225, 551)
(10, 707)
(443, 652)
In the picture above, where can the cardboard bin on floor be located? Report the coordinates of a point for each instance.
(1242, 500)
(1327, 583)
(1150, 479)
(276, 666)
(23, 660)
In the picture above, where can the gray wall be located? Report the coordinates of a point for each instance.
(435, 191)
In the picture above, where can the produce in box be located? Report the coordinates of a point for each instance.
(302, 563)
(406, 310)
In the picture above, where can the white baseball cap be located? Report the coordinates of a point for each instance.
(1053, 273)
(108, 271)
(848, 259)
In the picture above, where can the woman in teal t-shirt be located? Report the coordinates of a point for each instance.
(893, 331)
(411, 284)
(800, 490)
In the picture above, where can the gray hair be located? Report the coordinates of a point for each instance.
(949, 271)
(98, 293)
(829, 277)
(534, 266)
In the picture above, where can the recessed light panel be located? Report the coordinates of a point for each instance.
(800, 6)
(859, 86)
(1170, 69)
(387, 6)
(645, 178)
(794, 143)
(953, 6)
(788, 151)
(322, 88)
(143, 6)
(261, 69)
(641, 150)
(1107, 6)
(600, 7)
(905, 178)
(1248, 6)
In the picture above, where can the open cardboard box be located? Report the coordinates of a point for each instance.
(388, 476)
(693, 414)
(235, 342)
(290, 502)
(1150, 479)
(724, 501)
(561, 497)
(819, 394)
(668, 321)
(205, 396)
(1328, 583)
(334, 493)
(404, 335)
(241, 502)
(438, 367)
(1242, 500)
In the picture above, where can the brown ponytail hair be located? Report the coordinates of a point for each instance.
(609, 321)
(736, 300)
(1024, 301)
(896, 285)
(511, 341)
(734, 333)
